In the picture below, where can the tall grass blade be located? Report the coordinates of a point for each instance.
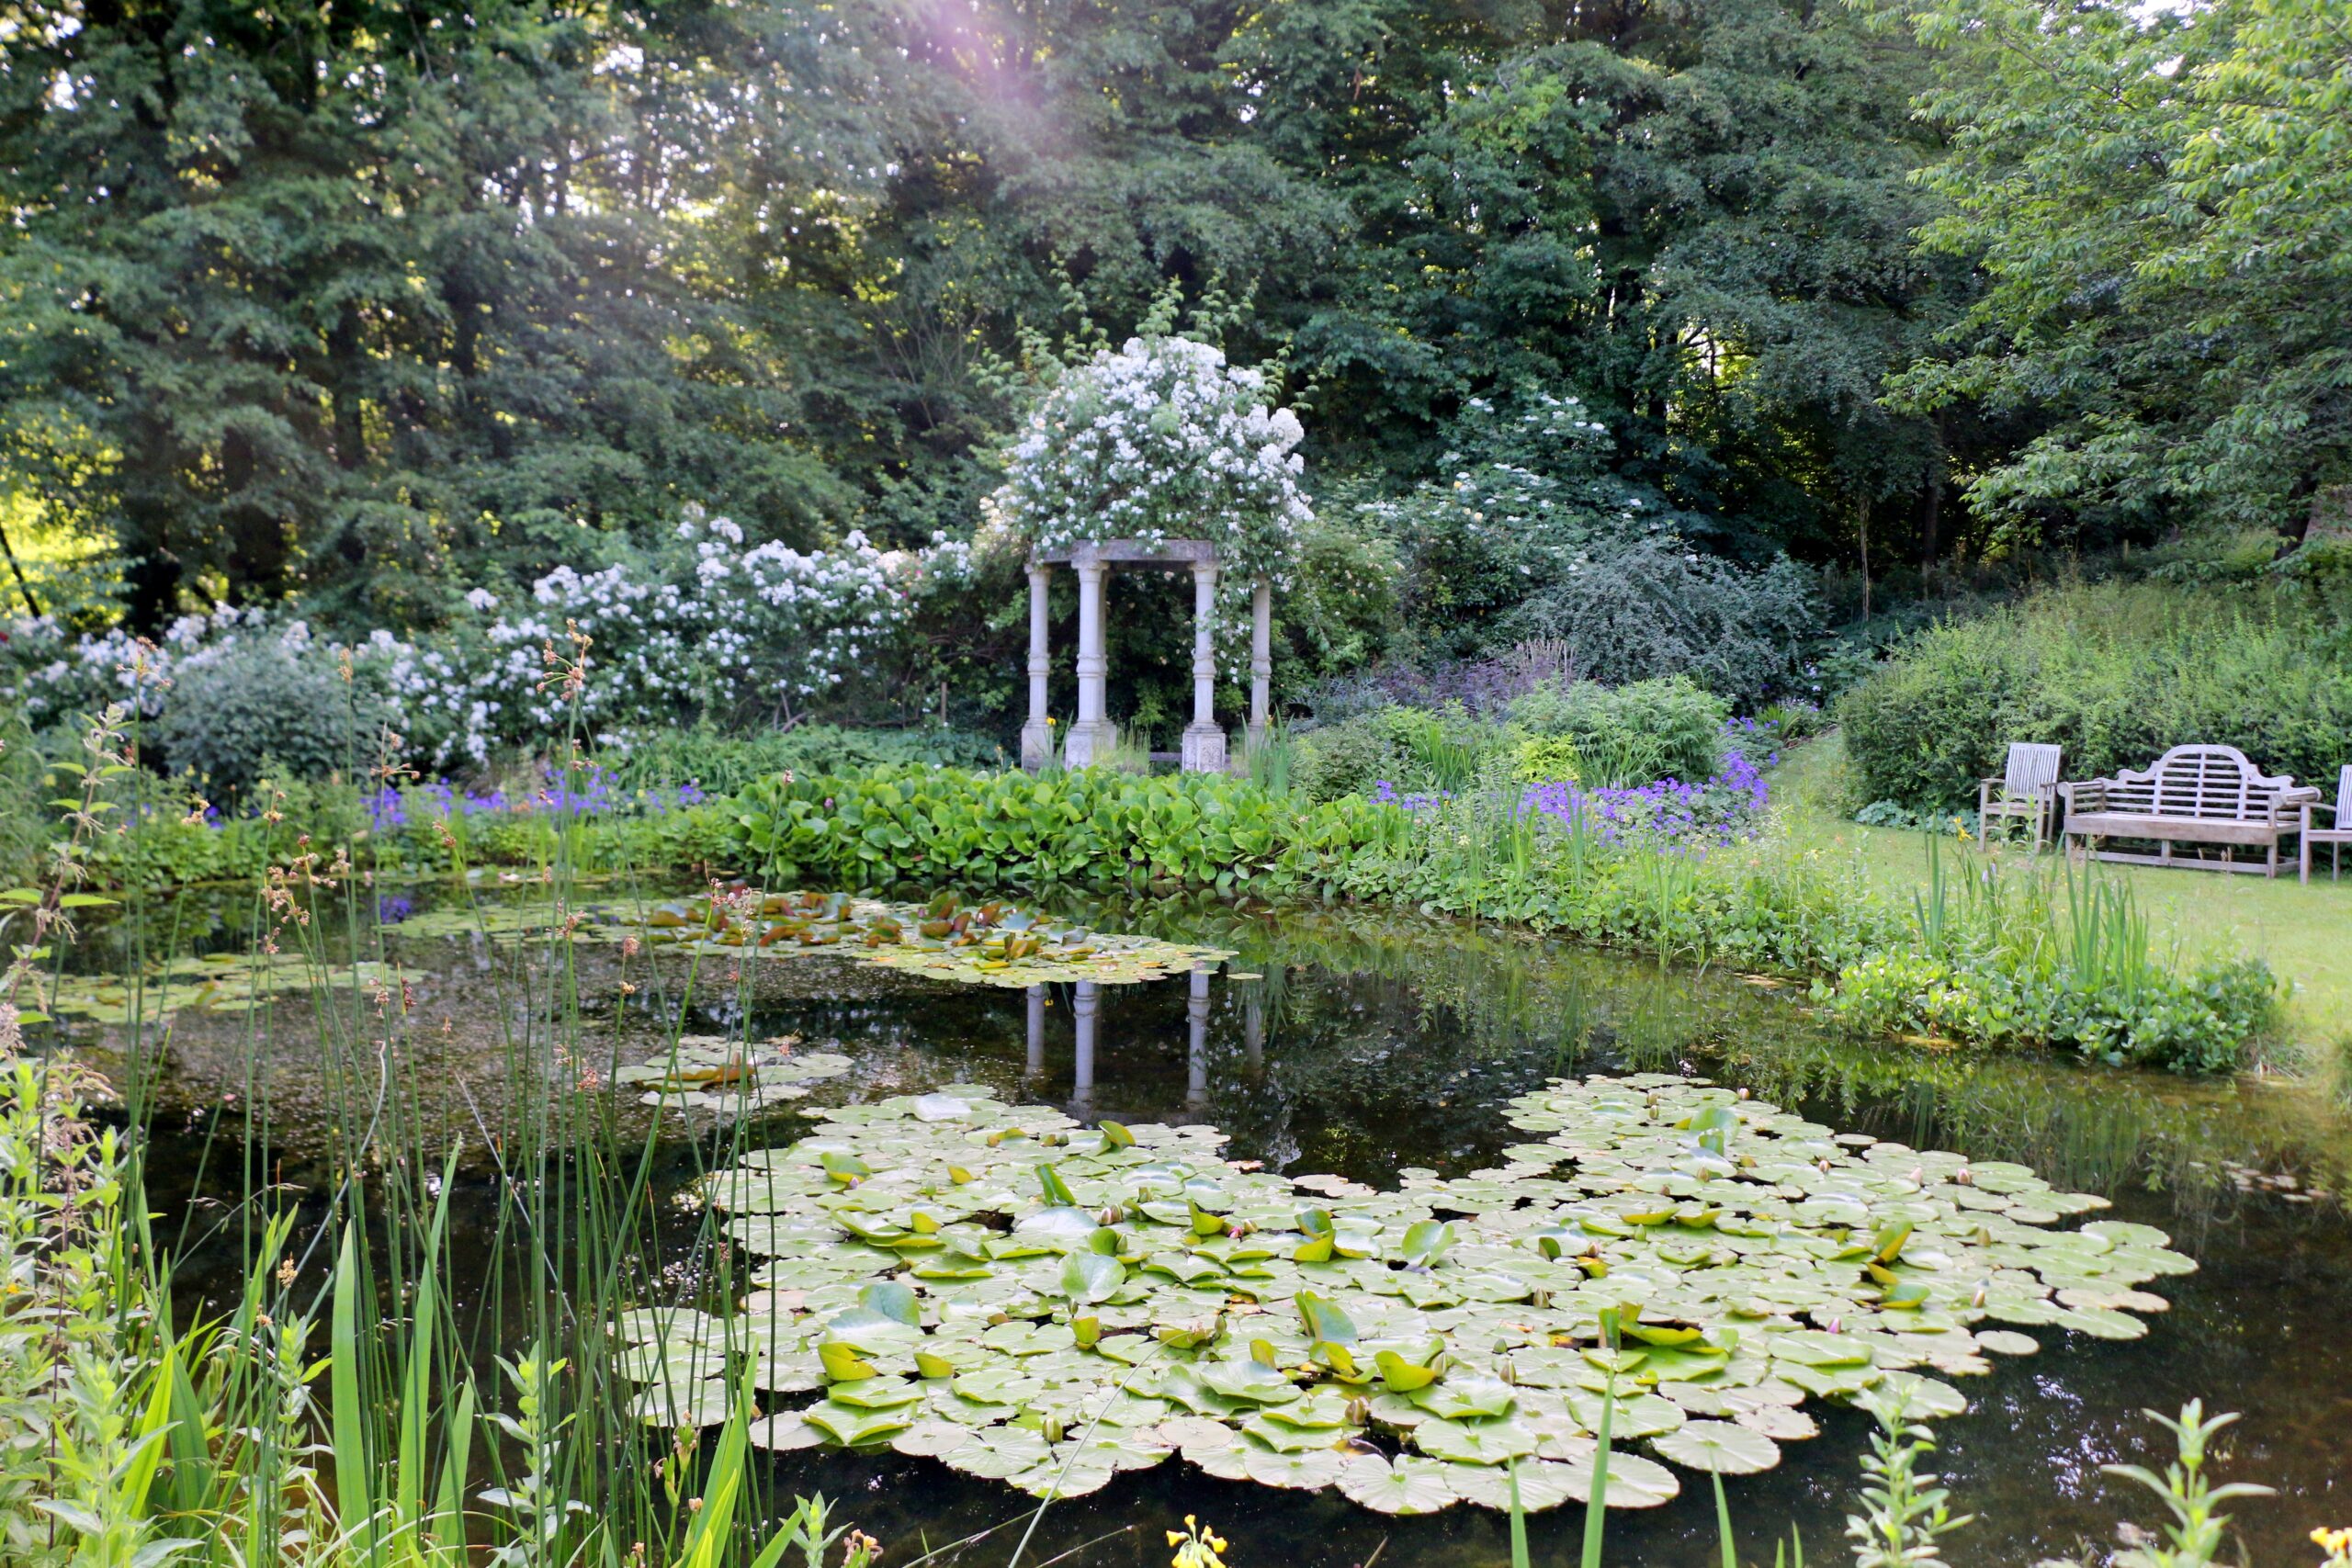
(355, 1479)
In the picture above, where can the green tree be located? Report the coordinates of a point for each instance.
(2157, 200)
(332, 297)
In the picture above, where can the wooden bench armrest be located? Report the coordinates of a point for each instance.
(2084, 795)
(2290, 805)
(2316, 804)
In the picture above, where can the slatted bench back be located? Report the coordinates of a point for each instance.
(2211, 783)
(2033, 769)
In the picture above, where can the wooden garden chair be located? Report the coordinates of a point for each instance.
(2335, 836)
(2028, 787)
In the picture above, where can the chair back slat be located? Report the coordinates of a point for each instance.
(2344, 798)
(2032, 769)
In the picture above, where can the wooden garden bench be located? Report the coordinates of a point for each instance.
(2205, 796)
(2028, 787)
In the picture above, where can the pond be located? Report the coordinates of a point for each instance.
(1365, 1046)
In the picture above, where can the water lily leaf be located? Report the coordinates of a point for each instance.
(1403, 1376)
(1633, 1481)
(874, 1393)
(849, 1426)
(1302, 1472)
(1541, 1486)
(1813, 1349)
(933, 1438)
(1919, 1398)
(1720, 1447)
(1091, 1276)
(888, 1298)
(1473, 1442)
(1459, 1397)
(1406, 1485)
(844, 1167)
(1252, 1381)
(707, 1403)
(1058, 1192)
(1426, 1242)
(1326, 1324)
(1073, 1228)
(1115, 1135)
(843, 1364)
(786, 1429)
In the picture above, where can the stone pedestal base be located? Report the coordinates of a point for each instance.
(1036, 745)
(1204, 749)
(1086, 742)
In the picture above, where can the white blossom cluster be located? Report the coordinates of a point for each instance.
(700, 626)
(1537, 494)
(1161, 440)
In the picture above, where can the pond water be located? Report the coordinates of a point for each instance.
(1360, 1044)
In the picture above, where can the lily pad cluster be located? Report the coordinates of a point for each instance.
(992, 943)
(228, 980)
(1026, 1298)
(712, 1072)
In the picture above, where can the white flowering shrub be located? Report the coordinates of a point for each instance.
(1161, 440)
(701, 626)
(1522, 501)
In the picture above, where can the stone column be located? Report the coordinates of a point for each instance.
(1203, 741)
(1082, 1007)
(1196, 1042)
(1262, 658)
(1036, 1064)
(1037, 736)
(1091, 733)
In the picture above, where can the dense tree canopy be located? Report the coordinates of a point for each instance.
(2161, 203)
(367, 302)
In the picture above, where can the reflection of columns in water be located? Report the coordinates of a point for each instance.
(1082, 1007)
(1253, 1027)
(1036, 1030)
(1196, 1044)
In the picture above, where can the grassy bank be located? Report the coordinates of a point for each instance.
(2065, 961)
(2298, 929)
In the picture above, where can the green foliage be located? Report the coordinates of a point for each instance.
(2116, 675)
(1905, 1515)
(1997, 964)
(261, 708)
(2194, 1536)
(304, 303)
(2154, 198)
(1409, 748)
(1665, 727)
(720, 763)
(1650, 607)
(306, 297)
(1093, 825)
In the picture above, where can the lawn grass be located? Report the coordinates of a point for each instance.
(2303, 933)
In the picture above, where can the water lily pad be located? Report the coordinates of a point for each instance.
(1720, 1447)
(1473, 1442)
(1404, 1486)
(1633, 1481)
(1302, 1472)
